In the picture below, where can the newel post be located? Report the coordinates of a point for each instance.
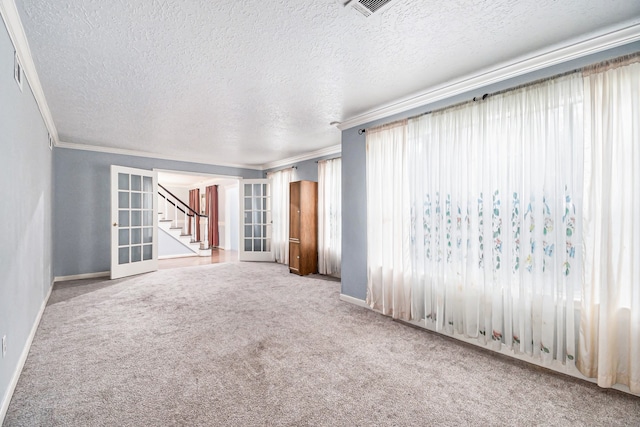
(206, 232)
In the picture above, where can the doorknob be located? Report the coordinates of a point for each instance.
(115, 224)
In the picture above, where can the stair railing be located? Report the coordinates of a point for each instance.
(173, 202)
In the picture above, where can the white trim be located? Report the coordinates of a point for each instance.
(127, 152)
(354, 301)
(334, 149)
(207, 183)
(160, 257)
(4, 407)
(555, 366)
(11, 18)
(607, 39)
(82, 276)
(211, 176)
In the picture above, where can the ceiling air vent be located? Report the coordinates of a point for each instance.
(368, 7)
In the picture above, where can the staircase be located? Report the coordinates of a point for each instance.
(174, 217)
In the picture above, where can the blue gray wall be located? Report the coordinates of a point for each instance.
(25, 214)
(354, 206)
(306, 170)
(82, 239)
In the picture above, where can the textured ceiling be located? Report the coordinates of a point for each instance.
(255, 81)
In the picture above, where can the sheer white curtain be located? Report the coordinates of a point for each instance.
(280, 212)
(610, 323)
(329, 216)
(388, 220)
(472, 224)
(495, 190)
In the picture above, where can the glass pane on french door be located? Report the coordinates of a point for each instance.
(134, 233)
(255, 228)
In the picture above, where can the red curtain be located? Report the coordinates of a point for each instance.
(212, 213)
(194, 203)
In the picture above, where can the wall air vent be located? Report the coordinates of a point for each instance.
(368, 7)
(17, 70)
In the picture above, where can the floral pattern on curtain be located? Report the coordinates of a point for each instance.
(476, 232)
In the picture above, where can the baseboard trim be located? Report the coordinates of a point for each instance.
(555, 366)
(23, 359)
(178, 256)
(354, 301)
(82, 276)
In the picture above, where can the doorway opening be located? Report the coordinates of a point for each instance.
(177, 209)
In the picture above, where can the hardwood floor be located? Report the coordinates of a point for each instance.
(217, 256)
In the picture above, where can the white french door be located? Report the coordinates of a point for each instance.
(134, 215)
(255, 220)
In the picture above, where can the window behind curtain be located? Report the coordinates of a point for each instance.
(280, 212)
(475, 227)
(329, 216)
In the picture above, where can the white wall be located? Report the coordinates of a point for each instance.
(233, 214)
(222, 217)
(228, 216)
(181, 193)
(226, 196)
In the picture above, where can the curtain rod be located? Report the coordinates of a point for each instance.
(326, 160)
(621, 60)
(483, 97)
(586, 69)
(280, 170)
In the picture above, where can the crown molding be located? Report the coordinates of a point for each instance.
(12, 22)
(136, 153)
(207, 179)
(608, 39)
(11, 17)
(212, 176)
(206, 183)
(334, 149)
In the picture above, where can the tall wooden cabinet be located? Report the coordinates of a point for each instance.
(303, 227)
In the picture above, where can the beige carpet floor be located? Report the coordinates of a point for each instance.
(248, 344)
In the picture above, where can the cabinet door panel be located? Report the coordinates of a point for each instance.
(294, 256)
(294, 210)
